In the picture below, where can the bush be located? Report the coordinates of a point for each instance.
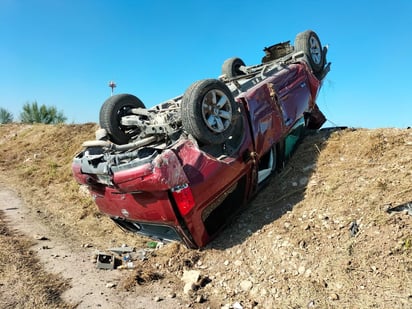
(5, 116)
(32, 113)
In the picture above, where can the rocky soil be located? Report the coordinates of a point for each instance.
(324, 233)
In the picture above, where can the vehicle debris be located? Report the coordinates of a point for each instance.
(105, 261)
(354, 228)
(237, 305)
(129, 254)
(122, 250)
(405, 207)
(127, 265)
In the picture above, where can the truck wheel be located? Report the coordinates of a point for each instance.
(309, 43)
(209, 111)
(231, 66)
(111, 113)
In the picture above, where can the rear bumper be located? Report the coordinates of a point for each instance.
(147, 213)
(149, 198)
(159, 231)
(138, 199)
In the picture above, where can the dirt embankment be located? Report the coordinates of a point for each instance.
(319, 235)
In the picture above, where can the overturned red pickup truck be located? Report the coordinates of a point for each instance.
(181, 169)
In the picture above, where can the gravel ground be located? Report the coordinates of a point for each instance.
(319, 235)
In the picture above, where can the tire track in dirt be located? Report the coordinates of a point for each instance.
(63, 257)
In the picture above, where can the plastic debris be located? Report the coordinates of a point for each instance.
(237, 305)
(353, 228)
(152, 244)
(406, 207)
(122, 250)
(155, 244)
(128, 265)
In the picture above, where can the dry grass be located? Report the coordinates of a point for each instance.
(23, 282)
(36, 160)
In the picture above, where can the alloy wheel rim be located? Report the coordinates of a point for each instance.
(216, 111)
(315, 51)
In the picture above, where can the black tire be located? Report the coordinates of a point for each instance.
(111, 112)
(231, 66)
(276, 158)
(280, 155)
(308, 42)
(203, 118)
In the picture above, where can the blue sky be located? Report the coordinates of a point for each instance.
(64, 53)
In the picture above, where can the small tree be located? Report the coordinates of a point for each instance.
(32, 113)
(5, 116)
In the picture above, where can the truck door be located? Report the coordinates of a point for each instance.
(294, 94)
(266, 120)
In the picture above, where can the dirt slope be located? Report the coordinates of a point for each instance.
(317, 236)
